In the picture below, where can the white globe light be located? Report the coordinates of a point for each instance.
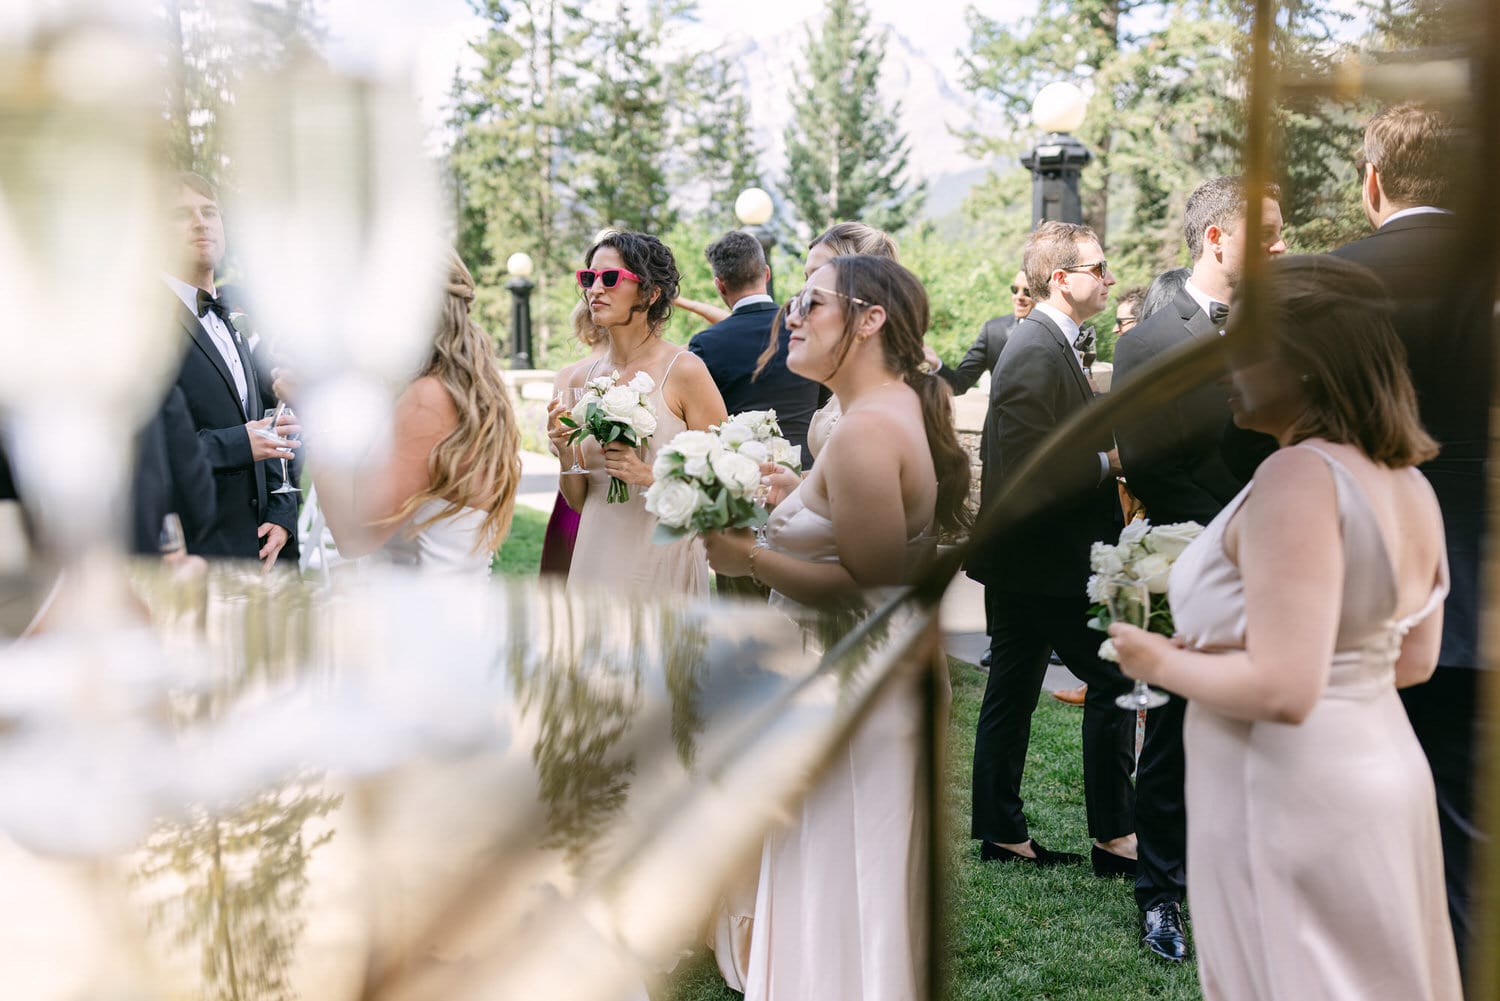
(519, 265)
(1059, 107)
(754, 207)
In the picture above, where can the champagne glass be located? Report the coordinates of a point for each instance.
(761, 496)
(270, 433)
(1129, 601)
(570, 398)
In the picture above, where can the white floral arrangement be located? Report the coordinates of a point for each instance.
(1144, 554)
(610, 412)
(710, 480)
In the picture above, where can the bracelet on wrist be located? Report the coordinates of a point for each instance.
(750, 561)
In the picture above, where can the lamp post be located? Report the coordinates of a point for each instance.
(1057, 161)
(753, 208)
(519, 267)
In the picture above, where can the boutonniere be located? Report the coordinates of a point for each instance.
(239, 322)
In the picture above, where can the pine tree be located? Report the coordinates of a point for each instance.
(846, 155)
(510, 162)
(624, 139)
(717, 156)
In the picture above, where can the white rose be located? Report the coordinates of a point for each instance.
(740, 475)
(783, 454)
(619, 403)
(672, 501)
(642, 383)
(1105, 559)
(1097, 592)
(1107, 651)
(665, 464)
(1134, 532)
(604, 383)
(1153, 571)
(693, 444)
(755, 451)
(735, 434)
(696, 467)
(1171, 540)
(643, 419)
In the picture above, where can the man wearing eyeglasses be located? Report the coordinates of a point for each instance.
(1442, 314)
(1184, 462)
(1035, 574)
(985, 351)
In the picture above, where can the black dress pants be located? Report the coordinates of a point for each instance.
(1444, 713)
(1025, 629)
(1161, 812)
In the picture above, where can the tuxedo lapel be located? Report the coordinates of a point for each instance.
(1069, 358)
(1193, 318)
(205, 344)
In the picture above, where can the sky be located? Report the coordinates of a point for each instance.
(427, 39)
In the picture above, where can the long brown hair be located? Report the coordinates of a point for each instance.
(478, 464)
(1329, 321)
(882, 281)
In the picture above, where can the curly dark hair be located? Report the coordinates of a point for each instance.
(653, 261)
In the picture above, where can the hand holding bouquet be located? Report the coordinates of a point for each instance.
(1143, 558)
(710, 480)
(610, 412)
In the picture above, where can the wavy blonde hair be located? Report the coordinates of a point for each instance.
(478, 464)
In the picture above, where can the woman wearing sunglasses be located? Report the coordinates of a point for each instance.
(627, 284)
(837, 888)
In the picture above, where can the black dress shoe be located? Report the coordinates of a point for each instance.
(989, 852)
(1162, 933)
(1107, 863)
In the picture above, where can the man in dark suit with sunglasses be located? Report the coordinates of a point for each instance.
(732, 347)
(1036, 572)
(984, 353)
(223, 395)
(1442, 313)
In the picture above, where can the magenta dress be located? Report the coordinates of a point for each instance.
(562, 532)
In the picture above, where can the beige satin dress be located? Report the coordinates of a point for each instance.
(1314, 866)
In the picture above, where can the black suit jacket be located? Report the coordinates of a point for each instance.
(241, 487)
(981, 356)
(1186, 460)
(1442, 313)
(730, 349)
(1037, 385)
(172, 475)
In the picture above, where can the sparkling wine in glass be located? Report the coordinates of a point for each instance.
(570, 398)
(1129, 601)
(271, 433)
(761, 496)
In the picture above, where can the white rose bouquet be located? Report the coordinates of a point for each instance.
(1144, 554)
(710, 480)
(612, 412)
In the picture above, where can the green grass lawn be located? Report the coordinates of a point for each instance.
(1017, 933)
(521, 553)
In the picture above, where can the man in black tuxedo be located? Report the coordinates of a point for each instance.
(984, 353)
(1442, 313)
(1176, 464)
(219, 384)
(732, 347)
(1035, 575)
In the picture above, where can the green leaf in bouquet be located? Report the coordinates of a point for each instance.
(665, 534)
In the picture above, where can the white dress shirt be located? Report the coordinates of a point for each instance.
(222, 336)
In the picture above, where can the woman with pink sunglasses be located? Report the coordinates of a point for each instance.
(628, 283)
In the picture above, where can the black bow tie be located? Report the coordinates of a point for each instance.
(1217, 313)
(209, 304)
